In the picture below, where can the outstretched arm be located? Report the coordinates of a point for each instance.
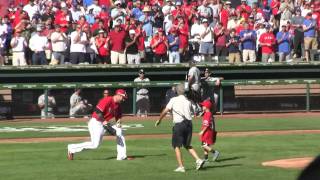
(162, 115)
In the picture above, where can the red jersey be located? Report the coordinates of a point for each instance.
(183, 33)
(62, 20)
(268, 38)
(275, 5)
(244, 10)
(207, 122)
(100, 43)
(117, 40)
(160, 48)
(108, 108)
(224, 17)
(141, 46)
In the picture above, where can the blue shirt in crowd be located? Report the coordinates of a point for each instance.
(87, 3)
(175, 47)
(136, 12)
(284, 45)
(147, 25)
(250, 39)
(311, 31)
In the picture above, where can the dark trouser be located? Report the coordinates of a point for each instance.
(103, 59)
(221, 52)
(39, 58)
(182, 134)
(77, 57)
(297, 43)
(160, 58)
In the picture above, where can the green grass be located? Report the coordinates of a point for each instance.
(225, 125)
(240, 160)
(241, 157)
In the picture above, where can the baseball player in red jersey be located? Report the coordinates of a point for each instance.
(208, 133)
(106, 109)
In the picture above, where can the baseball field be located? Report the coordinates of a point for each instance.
(36, 149)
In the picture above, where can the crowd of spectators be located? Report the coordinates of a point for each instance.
(38, 32)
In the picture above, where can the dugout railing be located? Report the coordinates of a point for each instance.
(307, 83)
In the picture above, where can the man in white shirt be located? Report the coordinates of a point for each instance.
(118, 13)
(38, 43)
(31, 9)
(79, 41)
(18, 44)
(182, 132)
(51, 105)
(205, 11)
(59, 46)
(207, 40)
(96, 9)
(195, 38)
(3, 39)
(78, 105)
(142, 101)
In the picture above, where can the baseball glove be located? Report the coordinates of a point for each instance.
(110, 130)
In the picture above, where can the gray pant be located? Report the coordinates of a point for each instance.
(284, 56)
(143, 104)
(267, 57)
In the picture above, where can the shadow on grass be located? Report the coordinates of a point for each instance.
(230, 158)
(131, 156)
(220, 166)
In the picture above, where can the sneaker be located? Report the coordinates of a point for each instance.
(216, 155)
(180, 169)
(70, 156)
(199, 164)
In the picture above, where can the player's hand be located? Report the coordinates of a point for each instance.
(157, 123)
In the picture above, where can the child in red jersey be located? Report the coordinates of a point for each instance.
(208, 133)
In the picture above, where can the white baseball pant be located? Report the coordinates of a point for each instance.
(97, 131)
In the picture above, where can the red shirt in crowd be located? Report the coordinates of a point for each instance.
(161, 48)
(62, 20)
(207, 136)
(140, 43)
(224, 17)
(117, 40)
(269, 39)
(109, 109)
(220, 39)
(107, 3)
(101, 46)
(244, 10)
(183, 33)
(275, 5)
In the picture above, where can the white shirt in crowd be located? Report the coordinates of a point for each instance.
(75, 99)
(205, 11)
(76, 46)
(195, 31)
(167, 9)
(181, 108)
(18, 44)
(118, 14)
(38, 43)
(215, 10)
(58, 41)
(3, 29)
(31, 10)
(194, 72)
(209, 36)
(96, 9)
(143, 91)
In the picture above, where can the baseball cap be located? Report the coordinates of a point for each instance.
(204, 20)
(122, 93)
(132, 31)
(207, 104)
(117, 2)
(141, 71)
